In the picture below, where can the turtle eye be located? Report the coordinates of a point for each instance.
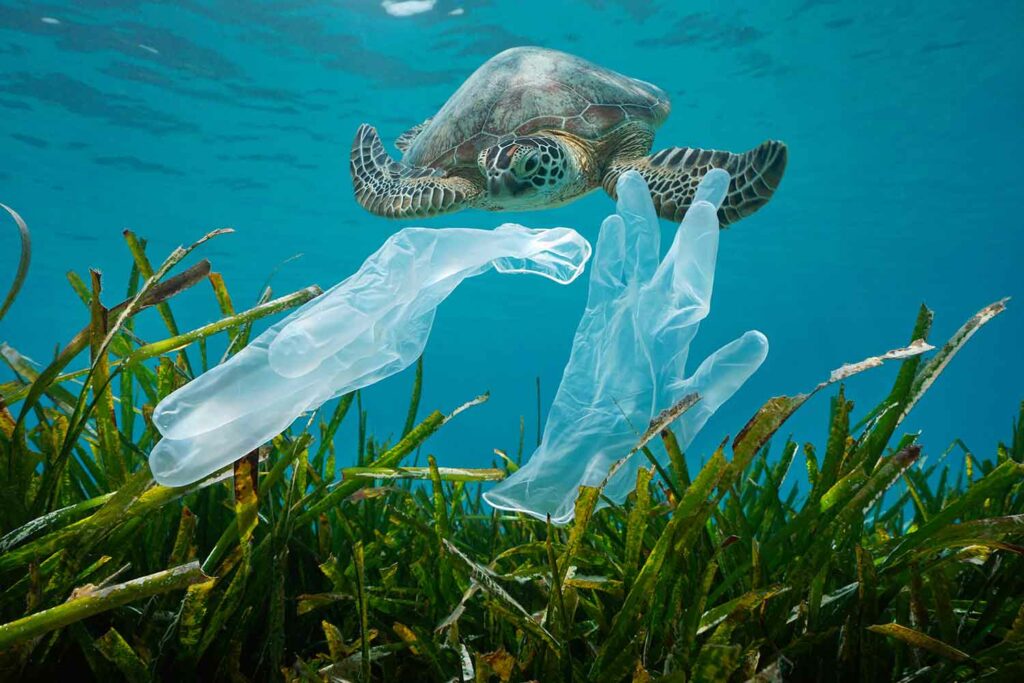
(527, 164)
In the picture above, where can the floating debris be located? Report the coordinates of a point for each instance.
(627, 369)
(407, 8)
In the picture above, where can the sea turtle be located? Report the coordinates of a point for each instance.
(534, 128)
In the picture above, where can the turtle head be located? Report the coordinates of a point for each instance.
(526, 172)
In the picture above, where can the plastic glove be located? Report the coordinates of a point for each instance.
(370, 326)
(629, 355)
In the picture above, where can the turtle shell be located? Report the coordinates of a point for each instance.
(526, 89)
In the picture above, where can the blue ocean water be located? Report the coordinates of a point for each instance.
(902, 119)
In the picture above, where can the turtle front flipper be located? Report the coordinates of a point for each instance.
(404, 141)
(389, 188)
(674, 173)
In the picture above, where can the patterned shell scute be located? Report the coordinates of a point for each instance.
(526, 89)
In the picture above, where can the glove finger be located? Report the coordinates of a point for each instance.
(686, 277)
(717, 379)
(559, 254)
(643, 232)
(606, 275)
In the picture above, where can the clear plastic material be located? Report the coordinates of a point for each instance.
(629, 355)
(370, 326)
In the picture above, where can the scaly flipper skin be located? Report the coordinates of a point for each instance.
(674, 173)
(405, 140)
(389, 188)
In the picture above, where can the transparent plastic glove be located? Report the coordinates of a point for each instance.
(370, 326)
(629, 355)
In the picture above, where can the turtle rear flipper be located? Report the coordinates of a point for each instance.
(673, 175)
(390, 188)
(404, 141)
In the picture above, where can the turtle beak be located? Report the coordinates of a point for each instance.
(503, 185)
(497, 165)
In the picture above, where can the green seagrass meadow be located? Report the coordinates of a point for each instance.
(889, 566)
